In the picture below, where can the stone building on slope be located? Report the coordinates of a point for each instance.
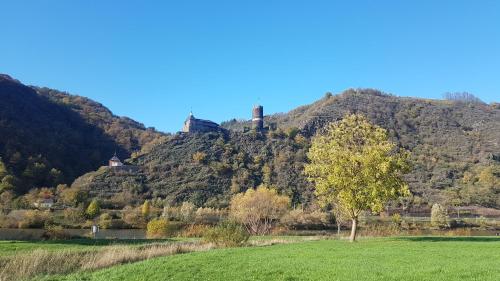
(194, 125)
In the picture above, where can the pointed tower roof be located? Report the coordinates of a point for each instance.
(114, 158)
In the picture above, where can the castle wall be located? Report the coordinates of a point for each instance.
(194, 125)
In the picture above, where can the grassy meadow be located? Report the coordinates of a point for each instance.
(11, 247)
(399, 258)
(27, 260)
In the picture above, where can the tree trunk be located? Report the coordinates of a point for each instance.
(354, 227)
(338, 229)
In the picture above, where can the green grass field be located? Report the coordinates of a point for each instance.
(412, 258)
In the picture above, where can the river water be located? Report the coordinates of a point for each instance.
(35, 234)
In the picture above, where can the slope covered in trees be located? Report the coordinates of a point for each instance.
(208, 168)
(454, 144)
(49, 137)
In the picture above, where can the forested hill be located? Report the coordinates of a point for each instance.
(453, 142)
(49, 137)
(455, 148)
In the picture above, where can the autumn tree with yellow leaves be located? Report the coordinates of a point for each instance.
(257, 209)
(353, 163)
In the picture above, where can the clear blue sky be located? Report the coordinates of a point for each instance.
(155, 60)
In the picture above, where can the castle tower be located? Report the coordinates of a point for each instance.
(188, 123)
(258, 117)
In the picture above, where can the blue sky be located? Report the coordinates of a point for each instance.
(154, 61)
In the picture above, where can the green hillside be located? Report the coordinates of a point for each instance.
(49, 137)
(455, 151)
(231, 163)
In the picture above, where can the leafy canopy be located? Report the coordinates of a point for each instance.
(94, 209)
(353, 163)
(157, 228)
(146, 208)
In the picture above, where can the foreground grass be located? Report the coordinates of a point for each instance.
(18, 247)
(34, 259)
(42, 262)
(13, 247)
(411, 258)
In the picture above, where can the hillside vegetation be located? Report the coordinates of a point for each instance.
(207, 169)
(50, 137)
(454, 144)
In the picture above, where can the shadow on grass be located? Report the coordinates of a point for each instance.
(450, 239)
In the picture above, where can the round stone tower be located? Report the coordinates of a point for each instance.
(258, 117)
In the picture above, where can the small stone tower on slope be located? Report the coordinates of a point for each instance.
(258, 117)
(115, 161)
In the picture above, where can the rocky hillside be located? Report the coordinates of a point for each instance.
(50, 137)
(455, 149)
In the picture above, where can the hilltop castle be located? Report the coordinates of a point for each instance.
(195, 125)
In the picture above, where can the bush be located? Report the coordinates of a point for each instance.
(439, 216)
(259, 209)
(292, 132)
(208, 215)
(380, 230)
(298, 218)
(199, 157)
(105, 221)
(55, 232)
(227, 234)
(31, 218)
(146, 209)
(483, 222)
(457, 223)
(194, 230)
(93, 210)
(396, 219)
(187, 211)
(157, 228)
(74, 216)
(171, 213)
(7, 222)
(132, 217)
